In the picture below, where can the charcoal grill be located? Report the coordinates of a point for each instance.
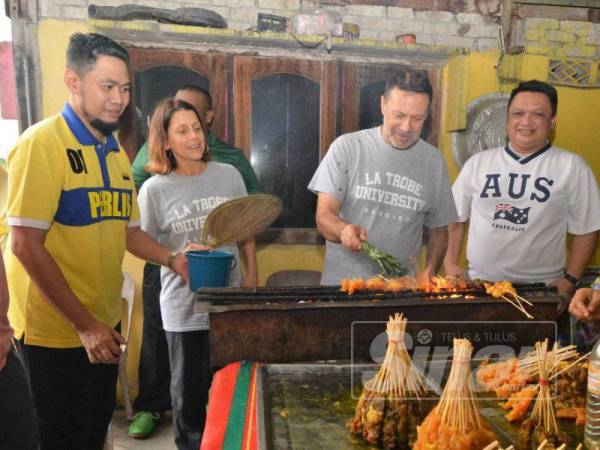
(311, 323)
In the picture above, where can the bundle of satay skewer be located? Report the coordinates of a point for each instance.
(455, 423)
(501, 289)
(541, 429)
(389, 408)
(516, 381)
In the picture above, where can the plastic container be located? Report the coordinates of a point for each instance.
(591, 438)
(318, 21)
(209, 268)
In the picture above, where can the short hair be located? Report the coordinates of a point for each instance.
(536, 86)
(198, 90)
(161, 159)
(410, 80)
(84, 49)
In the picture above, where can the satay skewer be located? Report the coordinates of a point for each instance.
(587, 355)
(517, 305)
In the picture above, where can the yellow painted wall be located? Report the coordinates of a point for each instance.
(53, 38)
(579, 110)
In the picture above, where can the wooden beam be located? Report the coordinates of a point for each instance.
(507, 22)
(568, 3)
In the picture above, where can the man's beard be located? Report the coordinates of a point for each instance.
(104, 127)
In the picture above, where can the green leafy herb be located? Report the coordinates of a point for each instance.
(390, 266)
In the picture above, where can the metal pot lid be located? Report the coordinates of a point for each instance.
(486, 127)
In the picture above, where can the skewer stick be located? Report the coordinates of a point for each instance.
(570, 365)
(524, 300)
(494, 445)
(543, 444)
(518, 306)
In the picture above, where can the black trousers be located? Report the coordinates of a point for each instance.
(18, 425)
(74, 399)
(154, 372)
(190, 381)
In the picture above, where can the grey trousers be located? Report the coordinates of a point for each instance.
(190, 381)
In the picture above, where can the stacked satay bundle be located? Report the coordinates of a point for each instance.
(541, 429)
(516, 381)
(455, 423)
(389, 408)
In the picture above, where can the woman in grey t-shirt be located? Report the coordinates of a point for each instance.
(174, 204)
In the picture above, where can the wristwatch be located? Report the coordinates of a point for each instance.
(571, 279)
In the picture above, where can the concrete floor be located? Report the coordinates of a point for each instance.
(162, 439)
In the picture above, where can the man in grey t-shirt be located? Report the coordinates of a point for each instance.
(385, 184)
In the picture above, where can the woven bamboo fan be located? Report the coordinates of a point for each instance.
(240, 219)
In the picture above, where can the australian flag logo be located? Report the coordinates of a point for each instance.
(505, 211)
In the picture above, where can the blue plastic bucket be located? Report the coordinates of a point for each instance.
(209, 268)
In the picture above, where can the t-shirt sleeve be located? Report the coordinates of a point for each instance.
(584, 202)
(149, 210)
(35, 183)
(331, 176)
(445, 211)
(462, 191)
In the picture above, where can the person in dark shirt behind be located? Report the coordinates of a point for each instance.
(154, 373)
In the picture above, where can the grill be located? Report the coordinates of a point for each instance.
(311, 323)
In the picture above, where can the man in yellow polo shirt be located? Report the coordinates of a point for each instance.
(72, 212)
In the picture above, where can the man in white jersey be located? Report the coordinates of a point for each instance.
(385, 184)
(521, 200)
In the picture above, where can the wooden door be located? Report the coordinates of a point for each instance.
(360, 80)
(285, 120)
(246, 69)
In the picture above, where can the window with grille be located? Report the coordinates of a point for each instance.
(573, 73)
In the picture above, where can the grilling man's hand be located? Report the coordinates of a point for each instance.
(352, 237)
